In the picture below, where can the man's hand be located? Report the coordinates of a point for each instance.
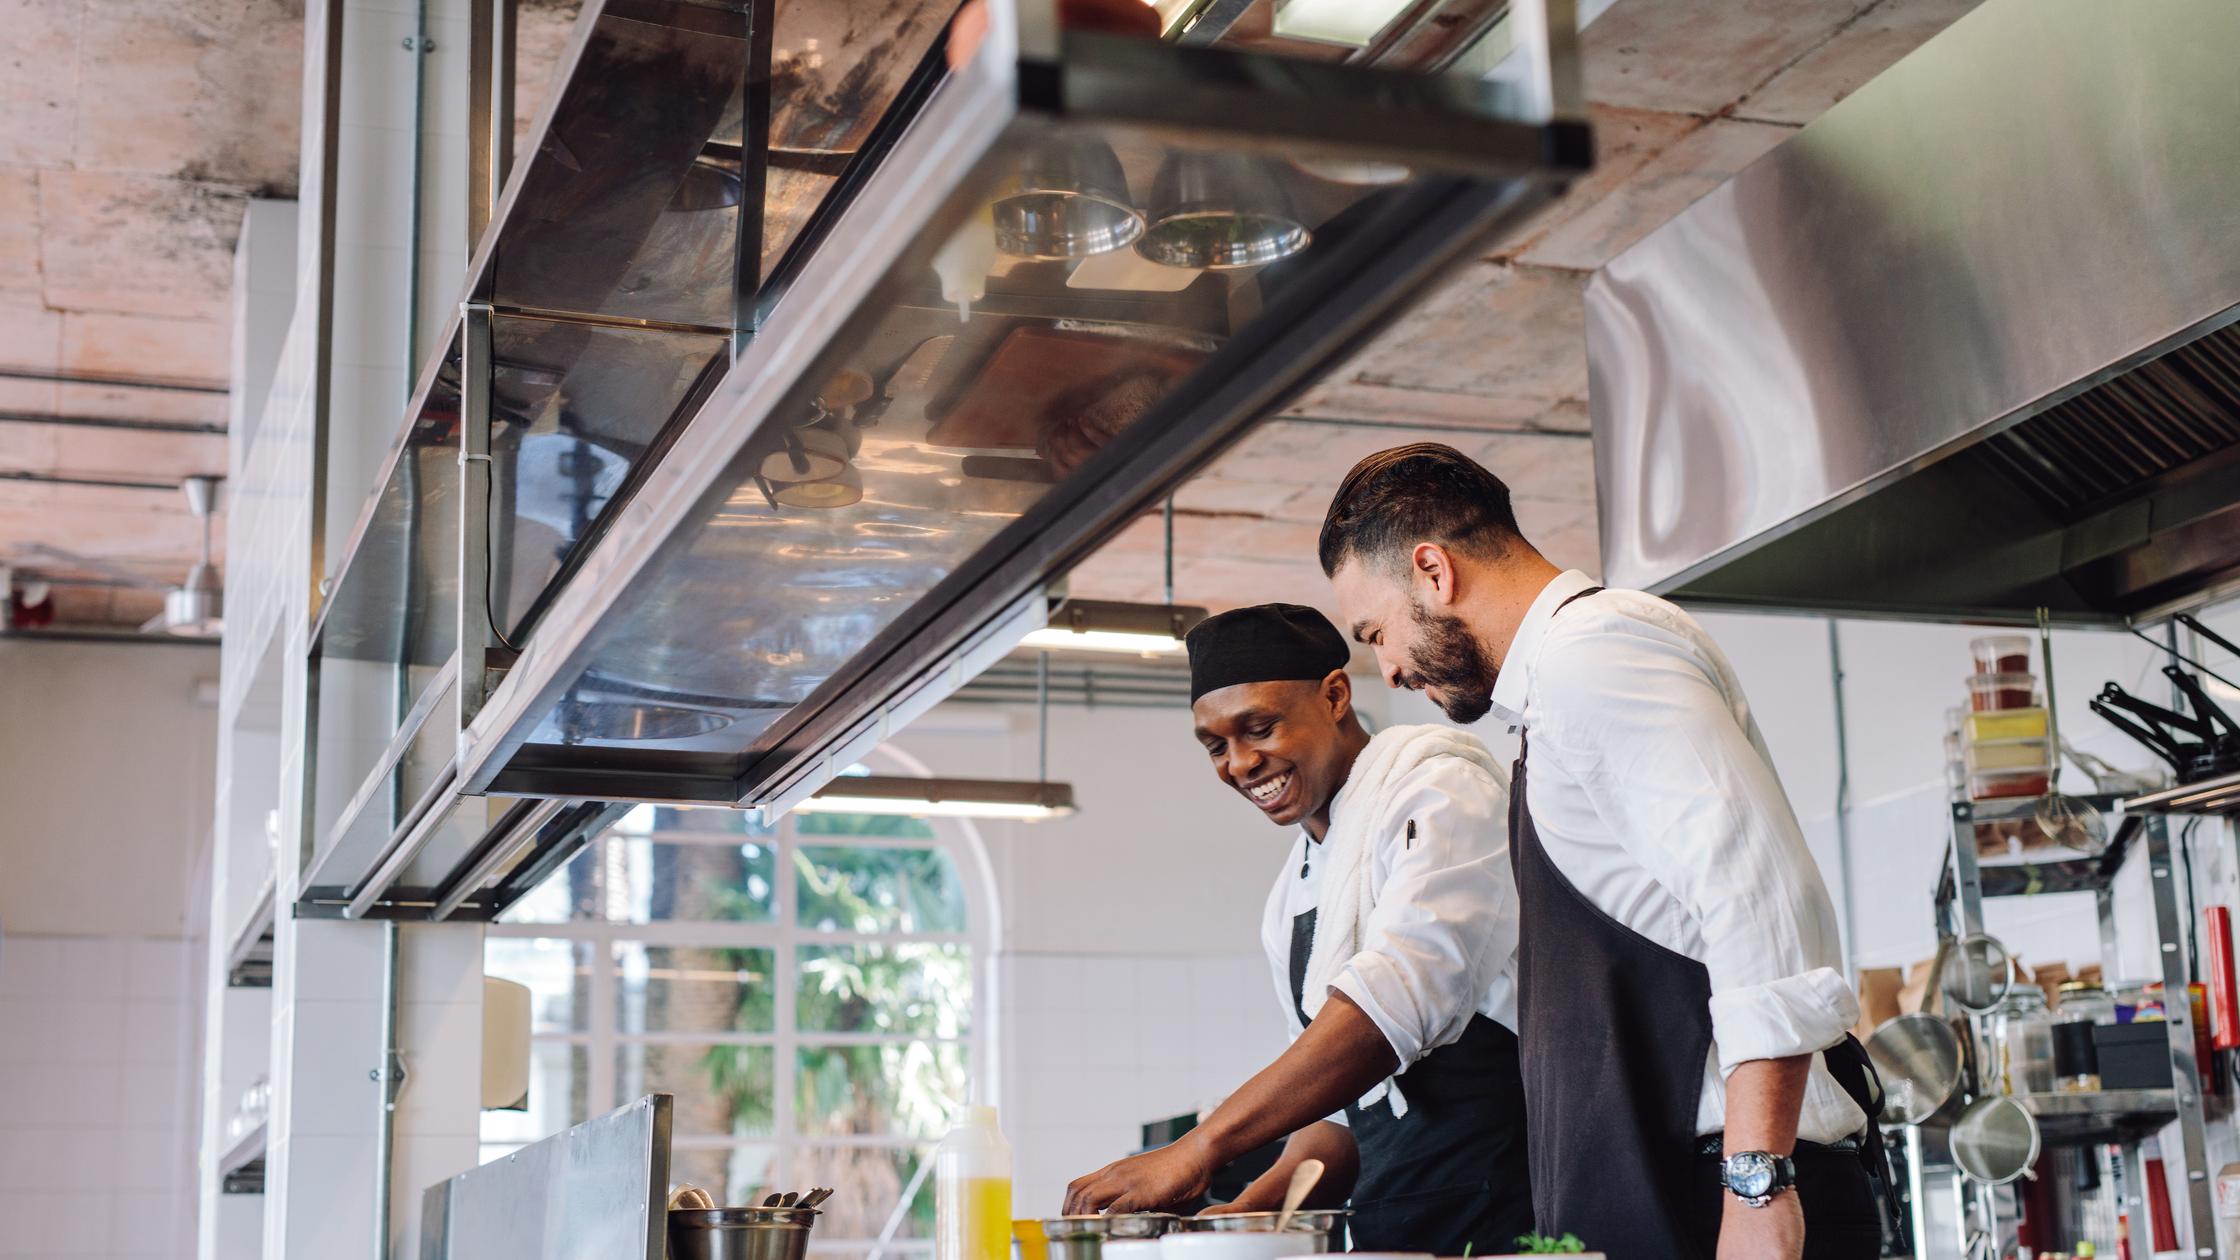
(1150, 1182)
(1773, 1232)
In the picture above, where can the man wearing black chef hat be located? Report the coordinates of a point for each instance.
(1692, 1087)
(1390, 930)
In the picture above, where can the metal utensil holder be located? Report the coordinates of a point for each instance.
(741, 1233)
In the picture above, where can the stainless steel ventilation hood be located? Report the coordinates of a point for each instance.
(1959, 349)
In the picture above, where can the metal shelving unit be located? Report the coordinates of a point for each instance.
(241, 1171)
(2123, 1117)
(249, 959)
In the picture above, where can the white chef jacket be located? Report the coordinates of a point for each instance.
(1652, 792)
(1440, 941)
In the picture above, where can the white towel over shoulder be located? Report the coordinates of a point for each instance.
(1363, 812)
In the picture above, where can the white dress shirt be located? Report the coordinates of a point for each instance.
(1653, 794)
(1440, 944)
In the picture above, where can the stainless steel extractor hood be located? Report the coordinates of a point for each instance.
(1961, 348)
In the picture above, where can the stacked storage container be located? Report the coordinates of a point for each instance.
(2003, 735)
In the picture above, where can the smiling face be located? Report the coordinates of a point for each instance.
(1417, 646)
(1281, 745)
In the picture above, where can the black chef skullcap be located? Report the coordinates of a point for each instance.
(1263, 643)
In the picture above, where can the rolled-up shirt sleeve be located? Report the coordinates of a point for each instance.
(1645, 728)
(1444, 924)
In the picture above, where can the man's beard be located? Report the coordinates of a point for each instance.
(1448, 659)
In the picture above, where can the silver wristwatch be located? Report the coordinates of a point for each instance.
(1755, 1177)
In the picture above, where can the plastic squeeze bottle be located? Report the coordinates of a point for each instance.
(972, 1190)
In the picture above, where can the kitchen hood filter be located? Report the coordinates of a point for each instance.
(1066, 201)
(1220, 211)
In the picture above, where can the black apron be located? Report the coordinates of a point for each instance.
(1615, 1033)
(1448, 1178)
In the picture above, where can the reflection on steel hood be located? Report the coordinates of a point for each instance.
(1959, 348)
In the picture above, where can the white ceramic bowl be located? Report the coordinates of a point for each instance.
(1240, 1245)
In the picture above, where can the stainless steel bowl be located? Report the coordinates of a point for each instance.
(741, 1233)
(1219, 211)
(1303, 1221)
(1084, 1237)
(1065, 201)
(1918, 1058)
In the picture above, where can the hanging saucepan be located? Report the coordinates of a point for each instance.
(1995, 1140)
(1918, 1058)
(1976, 974)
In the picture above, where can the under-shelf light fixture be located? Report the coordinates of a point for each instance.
(1091, 625)
(1011, 800)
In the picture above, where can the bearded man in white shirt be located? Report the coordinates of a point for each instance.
(1390, 931)
(1691, 1090)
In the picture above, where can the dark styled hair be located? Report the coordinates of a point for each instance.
(1423, 492)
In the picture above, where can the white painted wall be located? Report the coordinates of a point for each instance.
(105, 783)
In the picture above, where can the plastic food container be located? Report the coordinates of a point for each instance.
(2001, 653)
(1986, 756)
(2028, 723)
(1990, 692)
(2000, 785)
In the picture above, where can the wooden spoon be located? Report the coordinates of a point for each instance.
(1303, 1179)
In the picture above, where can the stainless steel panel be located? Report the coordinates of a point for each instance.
(594, 1192)
(2028, 203)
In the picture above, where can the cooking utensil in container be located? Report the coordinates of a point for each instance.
(1918, 1058)
(1303, 1179)
(1995, 1140)
(741, 1233)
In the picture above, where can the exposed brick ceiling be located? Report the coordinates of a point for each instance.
(132, 131)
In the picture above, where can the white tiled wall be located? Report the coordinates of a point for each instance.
(96, 1097)
(1094, 1045)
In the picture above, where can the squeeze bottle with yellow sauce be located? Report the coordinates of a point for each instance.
(972, 1190)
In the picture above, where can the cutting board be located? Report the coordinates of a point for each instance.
(1037, 371)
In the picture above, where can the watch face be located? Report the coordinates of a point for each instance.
(1750, 1174)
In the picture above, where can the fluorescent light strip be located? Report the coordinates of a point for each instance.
(1016, 811)
(1059, 639)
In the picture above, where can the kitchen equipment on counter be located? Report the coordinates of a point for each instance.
(2023, 1032)
(1995, 1140)
(1218, 212)
(2076, 1064)
(1065, 200)
(972, 1189)
(741, 1233)
(1259, 1240)
(2133, 1056)
(2001, 653)
(1092, 1237)
(1993, 693)
(1918, 1058)
(1304, 1221)
(690, 1199)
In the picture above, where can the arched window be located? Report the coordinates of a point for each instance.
(808, 992)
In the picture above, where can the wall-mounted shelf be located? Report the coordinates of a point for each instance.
(249, 960)
(2115, 1115)
(241, 1170)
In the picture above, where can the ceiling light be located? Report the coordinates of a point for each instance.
(1092, 625)
(1003, 799)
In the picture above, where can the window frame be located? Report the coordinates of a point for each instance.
(602, 1039)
